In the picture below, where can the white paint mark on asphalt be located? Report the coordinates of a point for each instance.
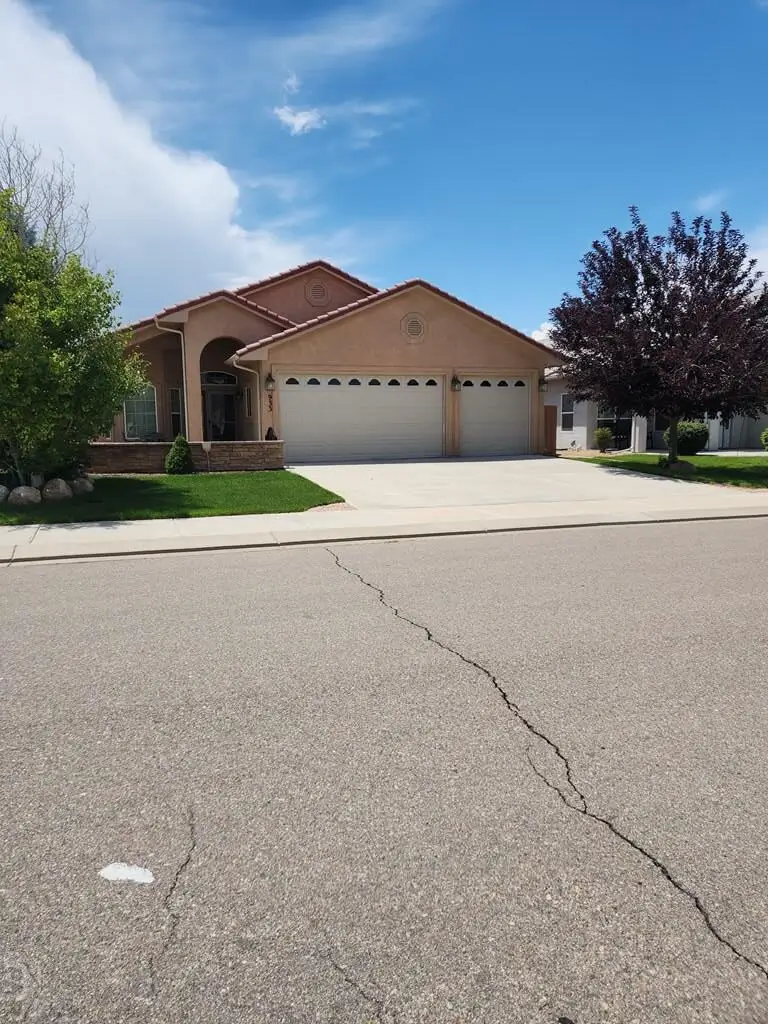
(120, 872)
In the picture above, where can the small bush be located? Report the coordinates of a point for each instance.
(764, 439)
(603, 437)
(179, 458)
(692, 436)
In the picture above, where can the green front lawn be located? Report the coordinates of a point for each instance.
(179, 497)
(744, 471)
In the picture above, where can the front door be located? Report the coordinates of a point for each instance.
(220, 416)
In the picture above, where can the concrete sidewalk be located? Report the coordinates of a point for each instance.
(83, 540)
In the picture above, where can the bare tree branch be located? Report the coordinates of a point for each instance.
(45, 194)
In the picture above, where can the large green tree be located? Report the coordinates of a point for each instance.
(676, 323)
(65, 368)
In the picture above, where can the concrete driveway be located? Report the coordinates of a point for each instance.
(450, 483)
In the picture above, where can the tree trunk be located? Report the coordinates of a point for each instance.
(673, 454)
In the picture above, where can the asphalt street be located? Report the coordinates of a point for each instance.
(515, 778)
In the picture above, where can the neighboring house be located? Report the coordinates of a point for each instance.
(577, 422)
(339, 370)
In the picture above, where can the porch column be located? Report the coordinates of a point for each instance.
(194, 344)
(639, 434)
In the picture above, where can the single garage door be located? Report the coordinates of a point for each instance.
(360, 416)
(495, 415)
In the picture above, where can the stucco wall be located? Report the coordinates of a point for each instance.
(584, 418)
(744, 432)
(289, 298)
(223, 319)
(162, 352)
(219, 319)
(373, 338)
(162, 355)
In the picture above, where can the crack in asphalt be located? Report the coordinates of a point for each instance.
(378, 1004)
(572, 797)
(173, 915)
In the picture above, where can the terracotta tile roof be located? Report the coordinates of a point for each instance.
(303, 268)
(221, 293)
(369, 300)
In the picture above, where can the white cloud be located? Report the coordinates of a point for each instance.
(357, 113)
(176, 63)
(363, 137)
(287, 187)
(543, 333)
(292, 84)
(111, 92)
(353, 32)
(299, 122)
(167, 220)
(710, 201)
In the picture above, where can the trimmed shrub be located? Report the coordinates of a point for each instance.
(692, 436)
(764, 439)
(179, 458)
(603, 437)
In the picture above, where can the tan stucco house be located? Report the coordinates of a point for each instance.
(339, 370)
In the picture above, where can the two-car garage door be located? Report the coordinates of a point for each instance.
(364, 416)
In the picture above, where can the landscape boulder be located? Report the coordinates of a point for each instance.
(81, 485)
(24, 496)
(4, 492)
(57, 490)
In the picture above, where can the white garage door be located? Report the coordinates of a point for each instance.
(360, 416)
(495, 415)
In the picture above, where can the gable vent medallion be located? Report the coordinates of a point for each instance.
(413, 327)
(317, 293)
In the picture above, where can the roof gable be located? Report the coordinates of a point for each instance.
(266, 314)
(306, 268)
(369, 301)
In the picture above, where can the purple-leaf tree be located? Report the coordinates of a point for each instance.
(676, 323)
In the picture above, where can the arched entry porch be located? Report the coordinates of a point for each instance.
(228, 395)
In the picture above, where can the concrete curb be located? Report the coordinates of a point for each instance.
(310, 536)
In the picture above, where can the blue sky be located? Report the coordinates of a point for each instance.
(479, 144)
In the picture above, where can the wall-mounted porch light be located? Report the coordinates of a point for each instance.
(543, 387)
(455, 384)
(269, 382)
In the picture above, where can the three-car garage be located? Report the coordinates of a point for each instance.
(367, 416)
